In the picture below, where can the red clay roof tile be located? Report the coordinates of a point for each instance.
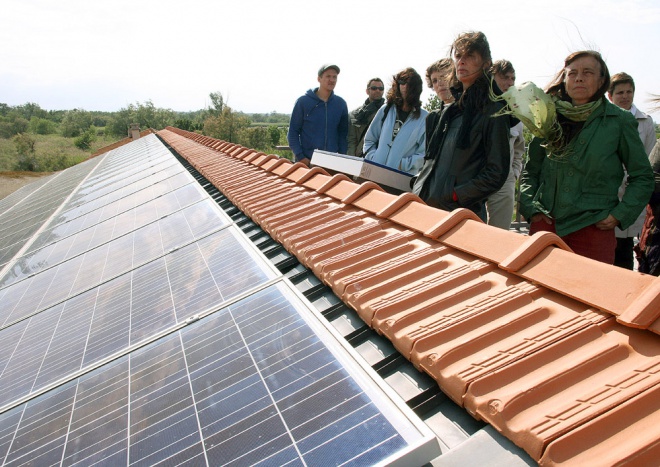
(526, 335)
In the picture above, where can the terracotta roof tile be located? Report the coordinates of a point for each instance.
(559, 353)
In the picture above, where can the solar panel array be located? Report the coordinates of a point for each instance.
(138, 325)
(24, 212)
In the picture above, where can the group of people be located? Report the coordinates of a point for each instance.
(588, 176)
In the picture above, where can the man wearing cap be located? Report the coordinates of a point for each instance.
(319, 119)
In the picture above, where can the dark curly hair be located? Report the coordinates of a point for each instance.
(414, 90)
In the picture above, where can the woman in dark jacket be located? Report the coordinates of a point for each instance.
(467, 150)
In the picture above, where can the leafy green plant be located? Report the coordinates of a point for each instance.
(274, 134)
(434, 103)
(42, 126)
(85, 140)
(26, 154)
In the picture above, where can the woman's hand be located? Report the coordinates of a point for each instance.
(540, 216)
(608, 223)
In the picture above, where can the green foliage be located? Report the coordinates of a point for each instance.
(271, 118)
(75, 122)
(26, 153)
(227, 126)
(12, 125)
(146, 115)
(257, 138)
(29, 110)
(56, 139)
(85, 140)
(187, 124)
(434, 103)
(217, 104)
(42, 126)
(274, 134)
(51, 153)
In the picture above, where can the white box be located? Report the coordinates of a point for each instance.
(359, 167)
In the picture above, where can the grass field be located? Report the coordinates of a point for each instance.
(53, 152)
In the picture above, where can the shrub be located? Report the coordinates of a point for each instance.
(41, 126)
(274, 134)
(85, 140)
(26, 159)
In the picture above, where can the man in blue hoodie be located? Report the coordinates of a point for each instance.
(319, 119)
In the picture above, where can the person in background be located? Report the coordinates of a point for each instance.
(396, 136)
(570, 183)
(622, 93)
(467, 155)
(501, 203)
(437, 78)
(319, 119)
(648, 248)
(360, 118)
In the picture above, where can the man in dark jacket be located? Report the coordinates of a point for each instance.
(319, 119)
(360, 118)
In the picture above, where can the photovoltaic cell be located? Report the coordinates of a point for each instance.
(143, 223)
(19, 222)
(105, 358)
(252, 384)
(107, 318)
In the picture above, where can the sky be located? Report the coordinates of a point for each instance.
(261, 55)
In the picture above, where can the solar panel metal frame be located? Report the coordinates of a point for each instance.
(423, 447)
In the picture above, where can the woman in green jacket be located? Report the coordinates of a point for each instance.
(570, 183)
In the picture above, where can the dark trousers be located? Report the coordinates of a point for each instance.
(623, 255)
(588, 241)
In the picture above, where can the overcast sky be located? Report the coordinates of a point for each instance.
(262, 54)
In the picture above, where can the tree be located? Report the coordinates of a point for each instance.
(41, 126)
(12, 125)
(226, 126)
(255, 138)
(26, 154)
(434, 103)
(274, 134)
(29, 110)
(85, 140)
(75, 122)
(218, 103)
(147, 115)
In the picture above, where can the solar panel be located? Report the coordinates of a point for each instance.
(252, 383)
(20, 221)
(140, 325)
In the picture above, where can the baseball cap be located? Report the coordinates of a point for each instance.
(326, 67)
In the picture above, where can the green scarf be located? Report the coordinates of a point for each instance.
(538, 112)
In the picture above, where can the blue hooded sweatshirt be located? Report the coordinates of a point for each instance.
(316, 124)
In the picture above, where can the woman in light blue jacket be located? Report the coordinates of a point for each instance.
(396, 137)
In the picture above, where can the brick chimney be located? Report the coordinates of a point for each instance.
(134, 131)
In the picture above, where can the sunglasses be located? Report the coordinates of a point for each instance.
(402, 82)
(377, 88)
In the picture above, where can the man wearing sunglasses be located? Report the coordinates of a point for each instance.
(360, 118)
